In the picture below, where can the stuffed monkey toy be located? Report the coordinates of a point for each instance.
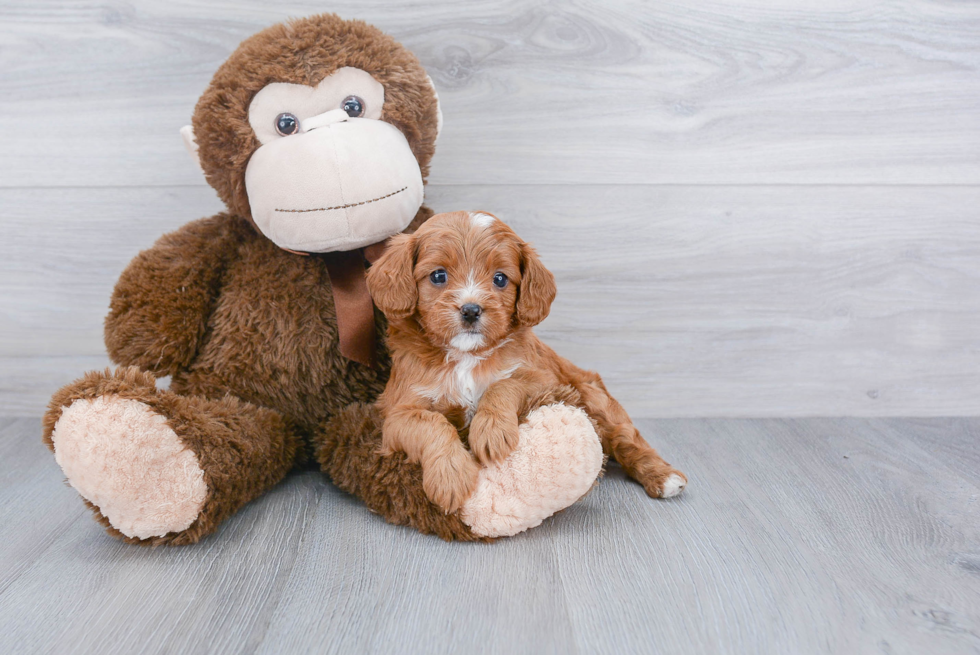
(317, 134)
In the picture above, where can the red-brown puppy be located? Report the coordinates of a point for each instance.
(461, 296)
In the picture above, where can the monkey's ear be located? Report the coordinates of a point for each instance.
(187, 134)
(438, 107)
(537, 290)
(391, 279)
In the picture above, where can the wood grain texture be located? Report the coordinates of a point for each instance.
(752, 209)
(622, 91)
(712, 287)
(795, 536)
(690, 300)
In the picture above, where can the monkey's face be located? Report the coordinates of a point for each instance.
(329, 174)
(320, 132)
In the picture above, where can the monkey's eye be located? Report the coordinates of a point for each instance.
(438, 277)
(499, 280)
(353, 105)
(287, 124)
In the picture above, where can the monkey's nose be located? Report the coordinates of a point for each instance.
(324, 119)
(471, 312)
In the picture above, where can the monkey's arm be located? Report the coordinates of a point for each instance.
(161, 304)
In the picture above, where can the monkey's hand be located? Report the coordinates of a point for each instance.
(162, 301)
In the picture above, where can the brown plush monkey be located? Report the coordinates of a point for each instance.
(317, 134)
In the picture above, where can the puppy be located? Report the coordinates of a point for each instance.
(461, 296)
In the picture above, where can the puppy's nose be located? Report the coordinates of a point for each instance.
(471, 312)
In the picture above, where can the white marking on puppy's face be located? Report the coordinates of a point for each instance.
(471, 292)
(479, 219)
(467, 341)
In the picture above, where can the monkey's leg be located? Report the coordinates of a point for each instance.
(160, 468)
(556, 462)
(348, 448)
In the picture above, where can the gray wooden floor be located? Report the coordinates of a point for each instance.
(795, 536)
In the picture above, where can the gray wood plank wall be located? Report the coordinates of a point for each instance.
(752, 208)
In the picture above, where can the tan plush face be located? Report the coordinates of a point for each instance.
(329, 174)
(467, 277)
(319, 131)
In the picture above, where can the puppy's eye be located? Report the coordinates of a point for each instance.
(499, 280)
(287, 124)
(353, 105)
(438, 277)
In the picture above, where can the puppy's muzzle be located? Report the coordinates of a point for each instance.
(470, 313)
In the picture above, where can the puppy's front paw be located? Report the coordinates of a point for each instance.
(664, 484)
(492, 437)
(450, 481)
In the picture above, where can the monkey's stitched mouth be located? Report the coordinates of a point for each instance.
(353, 204)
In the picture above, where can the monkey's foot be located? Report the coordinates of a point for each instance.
(122, 456)
(125, 460)
(556, 462)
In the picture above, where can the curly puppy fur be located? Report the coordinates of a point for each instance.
(462, 295)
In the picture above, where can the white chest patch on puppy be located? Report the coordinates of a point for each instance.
(466, 390)
(461, 386)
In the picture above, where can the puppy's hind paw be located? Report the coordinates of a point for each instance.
(666, 485)
(673, 485)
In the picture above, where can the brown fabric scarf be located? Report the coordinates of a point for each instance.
(353, 304)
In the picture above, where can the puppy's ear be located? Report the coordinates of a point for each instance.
(537, 289)
(391, 279)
